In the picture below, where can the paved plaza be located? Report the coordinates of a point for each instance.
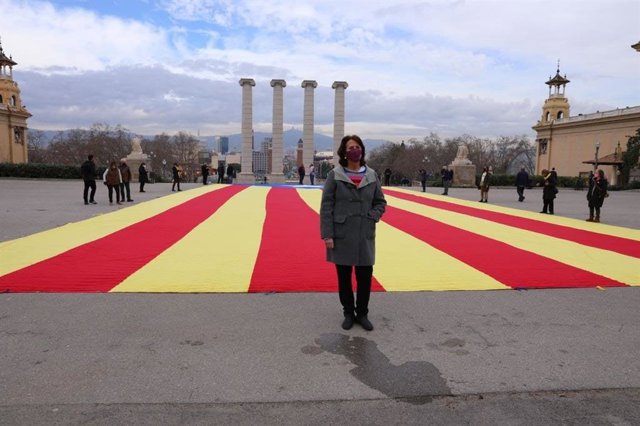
(561, 356)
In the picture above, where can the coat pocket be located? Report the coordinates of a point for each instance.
(370, 229)
(339, 227)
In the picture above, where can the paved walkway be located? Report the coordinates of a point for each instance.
(483, 357)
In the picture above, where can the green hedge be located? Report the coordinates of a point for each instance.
(42, 171)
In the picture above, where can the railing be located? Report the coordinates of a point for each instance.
(613, 113)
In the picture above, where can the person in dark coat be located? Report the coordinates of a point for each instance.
(447, 178)
(205, 174)
(522, 180)
(88, 172)
(423, 179)
(125, 172)
(301, 173)
(598, 186)
(231, 173)
(176, 170)
(143, 176)
(549, 191)
(387, 176)
(220, 173)
(352, 203)
(112, 178)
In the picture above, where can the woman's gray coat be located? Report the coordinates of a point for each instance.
(349, 214)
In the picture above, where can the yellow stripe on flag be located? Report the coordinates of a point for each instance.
(19, 253)
(217, 256)
(616, 266)
(405, 263)
(600, 228)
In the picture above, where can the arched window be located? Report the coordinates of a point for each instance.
(547, 116)
(13, 101)
(560, 115)
(1, 101)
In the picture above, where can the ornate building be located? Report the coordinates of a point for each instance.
(574, 145)
(13, 115)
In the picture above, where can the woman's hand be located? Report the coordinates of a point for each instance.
(328, 242)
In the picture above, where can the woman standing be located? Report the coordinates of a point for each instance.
(549, 191)
(112, 178)
(597, 193)
(352, 204)
(485, 184)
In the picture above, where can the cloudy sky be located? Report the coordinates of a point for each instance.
(413, 67)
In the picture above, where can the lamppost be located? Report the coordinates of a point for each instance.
(164, 163)
(595, 166)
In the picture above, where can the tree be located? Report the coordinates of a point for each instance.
(185, 151)
(631, 156)
(37, 150)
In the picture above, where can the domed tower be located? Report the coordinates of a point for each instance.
(13, 115)
(556, 106)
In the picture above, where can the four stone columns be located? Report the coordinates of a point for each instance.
(277, 151)
(307, 124)
(246, 175)
(338, 117)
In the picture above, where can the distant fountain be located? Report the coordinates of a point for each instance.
(137, 157)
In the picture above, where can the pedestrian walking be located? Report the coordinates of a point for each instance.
(387, 176)
(522, 180)
(221, 173)
(312, 173)
(598, 186)
(125, 172)
(422, 173)
(112, 178)
(143, 176)
(205, 173)
(231, 173)
(176, 170)
(352, 204)
(447, 178)
(549, 191)
(88, 172)
(301, 173)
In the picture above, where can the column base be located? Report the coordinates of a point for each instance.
(246, 178)
(276, 178)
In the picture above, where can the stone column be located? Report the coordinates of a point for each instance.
(307, 126)
(338, 116)
(277, 151)
(246, 175)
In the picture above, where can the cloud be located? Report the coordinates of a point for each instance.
(451, 67)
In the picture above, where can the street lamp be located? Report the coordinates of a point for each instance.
(164, 163)
(595, 166)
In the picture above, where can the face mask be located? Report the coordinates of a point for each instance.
(354, 155)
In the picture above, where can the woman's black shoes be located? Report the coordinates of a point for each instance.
(348, 322)
(365, 323)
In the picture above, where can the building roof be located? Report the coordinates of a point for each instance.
(3, 58)
(608, 160)
(557, 80)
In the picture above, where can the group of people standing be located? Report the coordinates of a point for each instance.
(302, 173)
(116, 177)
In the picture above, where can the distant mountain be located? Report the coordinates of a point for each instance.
(290, 138)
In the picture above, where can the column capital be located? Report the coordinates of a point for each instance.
(337, 84)
(277, 82)
(244, 81)
(311, 83)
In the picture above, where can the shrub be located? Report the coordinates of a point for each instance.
(38, 170)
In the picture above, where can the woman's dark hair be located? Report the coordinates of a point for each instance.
(342, 150)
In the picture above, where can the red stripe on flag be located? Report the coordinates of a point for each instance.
(511, 266)
(588, 238)
(292, 257)
(102, 264)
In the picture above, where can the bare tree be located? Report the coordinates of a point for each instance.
(37, 150)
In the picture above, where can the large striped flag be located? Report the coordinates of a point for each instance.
(235, 238)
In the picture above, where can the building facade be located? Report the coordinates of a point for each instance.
(574, 145)
(13, 115)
